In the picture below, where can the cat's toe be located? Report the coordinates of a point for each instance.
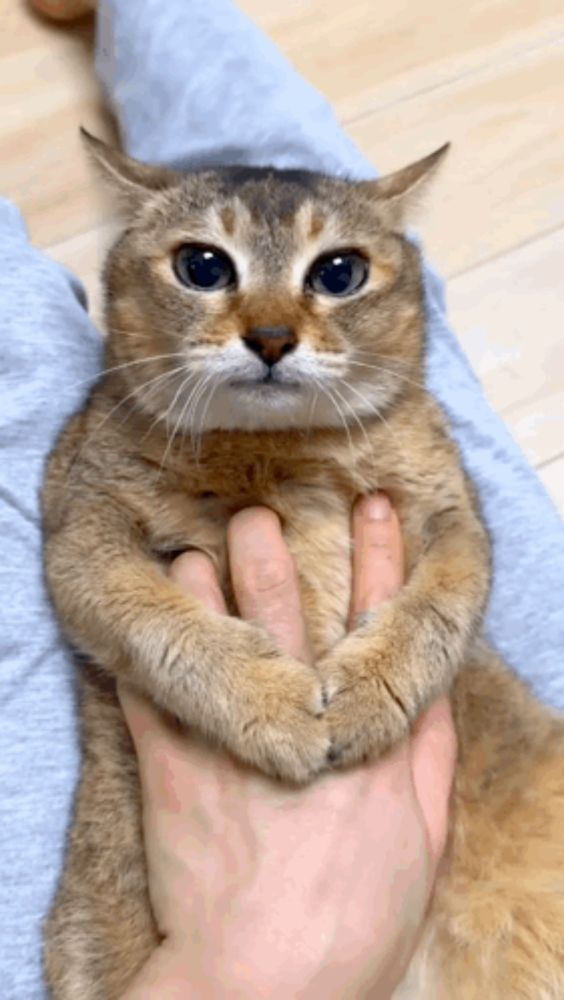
(364, 723)
(286, 735)
(296, 755)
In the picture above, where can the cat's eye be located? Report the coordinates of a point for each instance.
(205, 269)
(338, 274)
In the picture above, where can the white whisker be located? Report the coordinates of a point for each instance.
(341, 415)
(171, 436)
(126, 364)
(114, 409)
(204, 382)
(354, 415)
(206, 408)
(378, 413)
(386, 371)
(312, 408)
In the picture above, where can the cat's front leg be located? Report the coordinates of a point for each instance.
(217, 674)
(405, 654)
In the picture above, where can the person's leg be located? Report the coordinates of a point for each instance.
(196, 83)
(49, 354)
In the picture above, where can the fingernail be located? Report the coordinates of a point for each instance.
(378, 508)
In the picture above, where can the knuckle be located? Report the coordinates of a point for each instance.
(379, 542)
(267, 576)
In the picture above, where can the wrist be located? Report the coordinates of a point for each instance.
(168, 975)
(165, 976)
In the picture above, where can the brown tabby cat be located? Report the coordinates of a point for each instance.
(266, 347)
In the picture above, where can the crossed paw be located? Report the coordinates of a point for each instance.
(308, 720)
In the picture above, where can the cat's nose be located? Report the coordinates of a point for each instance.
(270, 342)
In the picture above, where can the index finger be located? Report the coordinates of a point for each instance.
(378, 568)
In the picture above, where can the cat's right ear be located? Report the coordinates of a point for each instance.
(129, 178)
(397, 194)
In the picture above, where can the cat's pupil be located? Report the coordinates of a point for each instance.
(338, 274)
(204, 268)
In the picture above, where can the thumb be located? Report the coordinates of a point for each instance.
(174, 763)
(433, 759)
(146, 724)
(165, 754)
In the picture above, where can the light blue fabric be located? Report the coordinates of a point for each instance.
(192, 82)
(47, 348)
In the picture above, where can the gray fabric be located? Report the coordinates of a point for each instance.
(191, 82)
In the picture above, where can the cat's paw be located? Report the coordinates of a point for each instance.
(281, 726)
(364, 717)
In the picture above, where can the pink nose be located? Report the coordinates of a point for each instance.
(270, 342)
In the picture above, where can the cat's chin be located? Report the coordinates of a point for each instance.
(253, 405)
(272, 393)
(248, 404)
(268, 405)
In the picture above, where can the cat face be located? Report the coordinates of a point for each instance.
(259, 299)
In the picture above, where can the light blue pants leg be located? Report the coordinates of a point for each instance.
(48, 348)
(192, 82)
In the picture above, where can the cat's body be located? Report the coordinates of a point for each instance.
(123, 494)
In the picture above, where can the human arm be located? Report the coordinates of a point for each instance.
(267, 892)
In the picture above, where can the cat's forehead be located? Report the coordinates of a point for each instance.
(284, 207)
(267, 193)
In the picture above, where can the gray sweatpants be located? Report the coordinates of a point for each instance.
(192, 83)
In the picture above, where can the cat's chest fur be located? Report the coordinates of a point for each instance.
(313, 498)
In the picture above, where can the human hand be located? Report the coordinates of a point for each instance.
(265, 892)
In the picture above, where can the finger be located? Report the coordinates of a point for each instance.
(195, 574)
(433, 759)
(377, 554)
(264, 579)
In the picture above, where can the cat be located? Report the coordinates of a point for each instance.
(266, 346)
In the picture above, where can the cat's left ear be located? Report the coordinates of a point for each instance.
(131, 179)
(399, 193)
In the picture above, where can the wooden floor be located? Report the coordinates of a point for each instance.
(488, 75)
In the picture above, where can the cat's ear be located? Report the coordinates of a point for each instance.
(399, 193)
(131, 179)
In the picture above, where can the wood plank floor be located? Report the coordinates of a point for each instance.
(403, 78)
